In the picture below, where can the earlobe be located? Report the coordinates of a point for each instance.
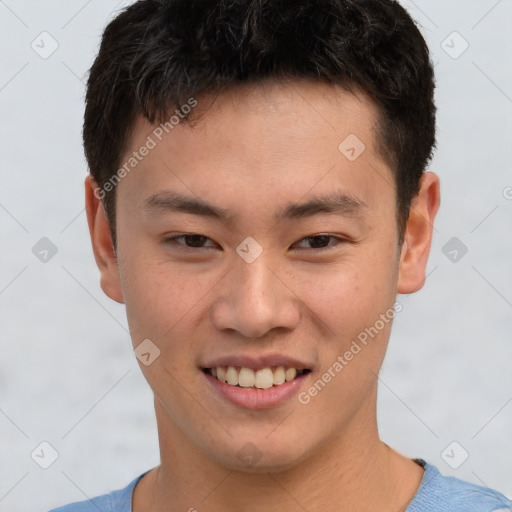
(101, 239)
(418, 235)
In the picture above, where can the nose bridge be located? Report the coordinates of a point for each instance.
(257, 286)
(254, 300)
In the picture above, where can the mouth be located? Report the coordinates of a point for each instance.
(248, 378)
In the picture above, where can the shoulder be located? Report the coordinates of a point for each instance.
(115, 501)
(100, 503)
(439, 493)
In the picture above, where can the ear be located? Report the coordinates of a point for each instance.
(418, 235)
(101, 239)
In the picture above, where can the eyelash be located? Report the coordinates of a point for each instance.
(173, 239)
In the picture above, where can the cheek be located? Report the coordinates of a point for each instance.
(351, 295)
(159, 298)
(356, 312)
(161, 305)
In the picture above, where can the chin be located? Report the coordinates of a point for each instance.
(260, 455)
(267, 464)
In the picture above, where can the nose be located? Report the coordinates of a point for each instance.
(254, 299)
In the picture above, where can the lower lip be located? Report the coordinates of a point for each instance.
(256, 398)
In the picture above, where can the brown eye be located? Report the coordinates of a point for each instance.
(192, 241)
(321, 241)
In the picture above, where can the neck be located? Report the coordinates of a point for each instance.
(354, 471)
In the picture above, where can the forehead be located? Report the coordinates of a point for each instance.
(293, 109)
(252, 142)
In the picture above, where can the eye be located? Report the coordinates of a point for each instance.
(192, 240)
(321, 241)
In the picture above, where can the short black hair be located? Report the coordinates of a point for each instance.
(157, 54)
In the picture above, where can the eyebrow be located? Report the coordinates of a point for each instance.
(336, 202)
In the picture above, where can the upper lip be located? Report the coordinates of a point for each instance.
(255, 363)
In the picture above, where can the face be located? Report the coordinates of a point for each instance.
(258, 241)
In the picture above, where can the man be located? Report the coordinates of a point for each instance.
(257, 200)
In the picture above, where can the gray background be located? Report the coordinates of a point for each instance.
(68, 375)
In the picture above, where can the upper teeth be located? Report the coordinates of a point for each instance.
(264, 378)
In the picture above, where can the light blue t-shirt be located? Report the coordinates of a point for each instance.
(437, 493)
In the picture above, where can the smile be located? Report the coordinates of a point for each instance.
(248, 378)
